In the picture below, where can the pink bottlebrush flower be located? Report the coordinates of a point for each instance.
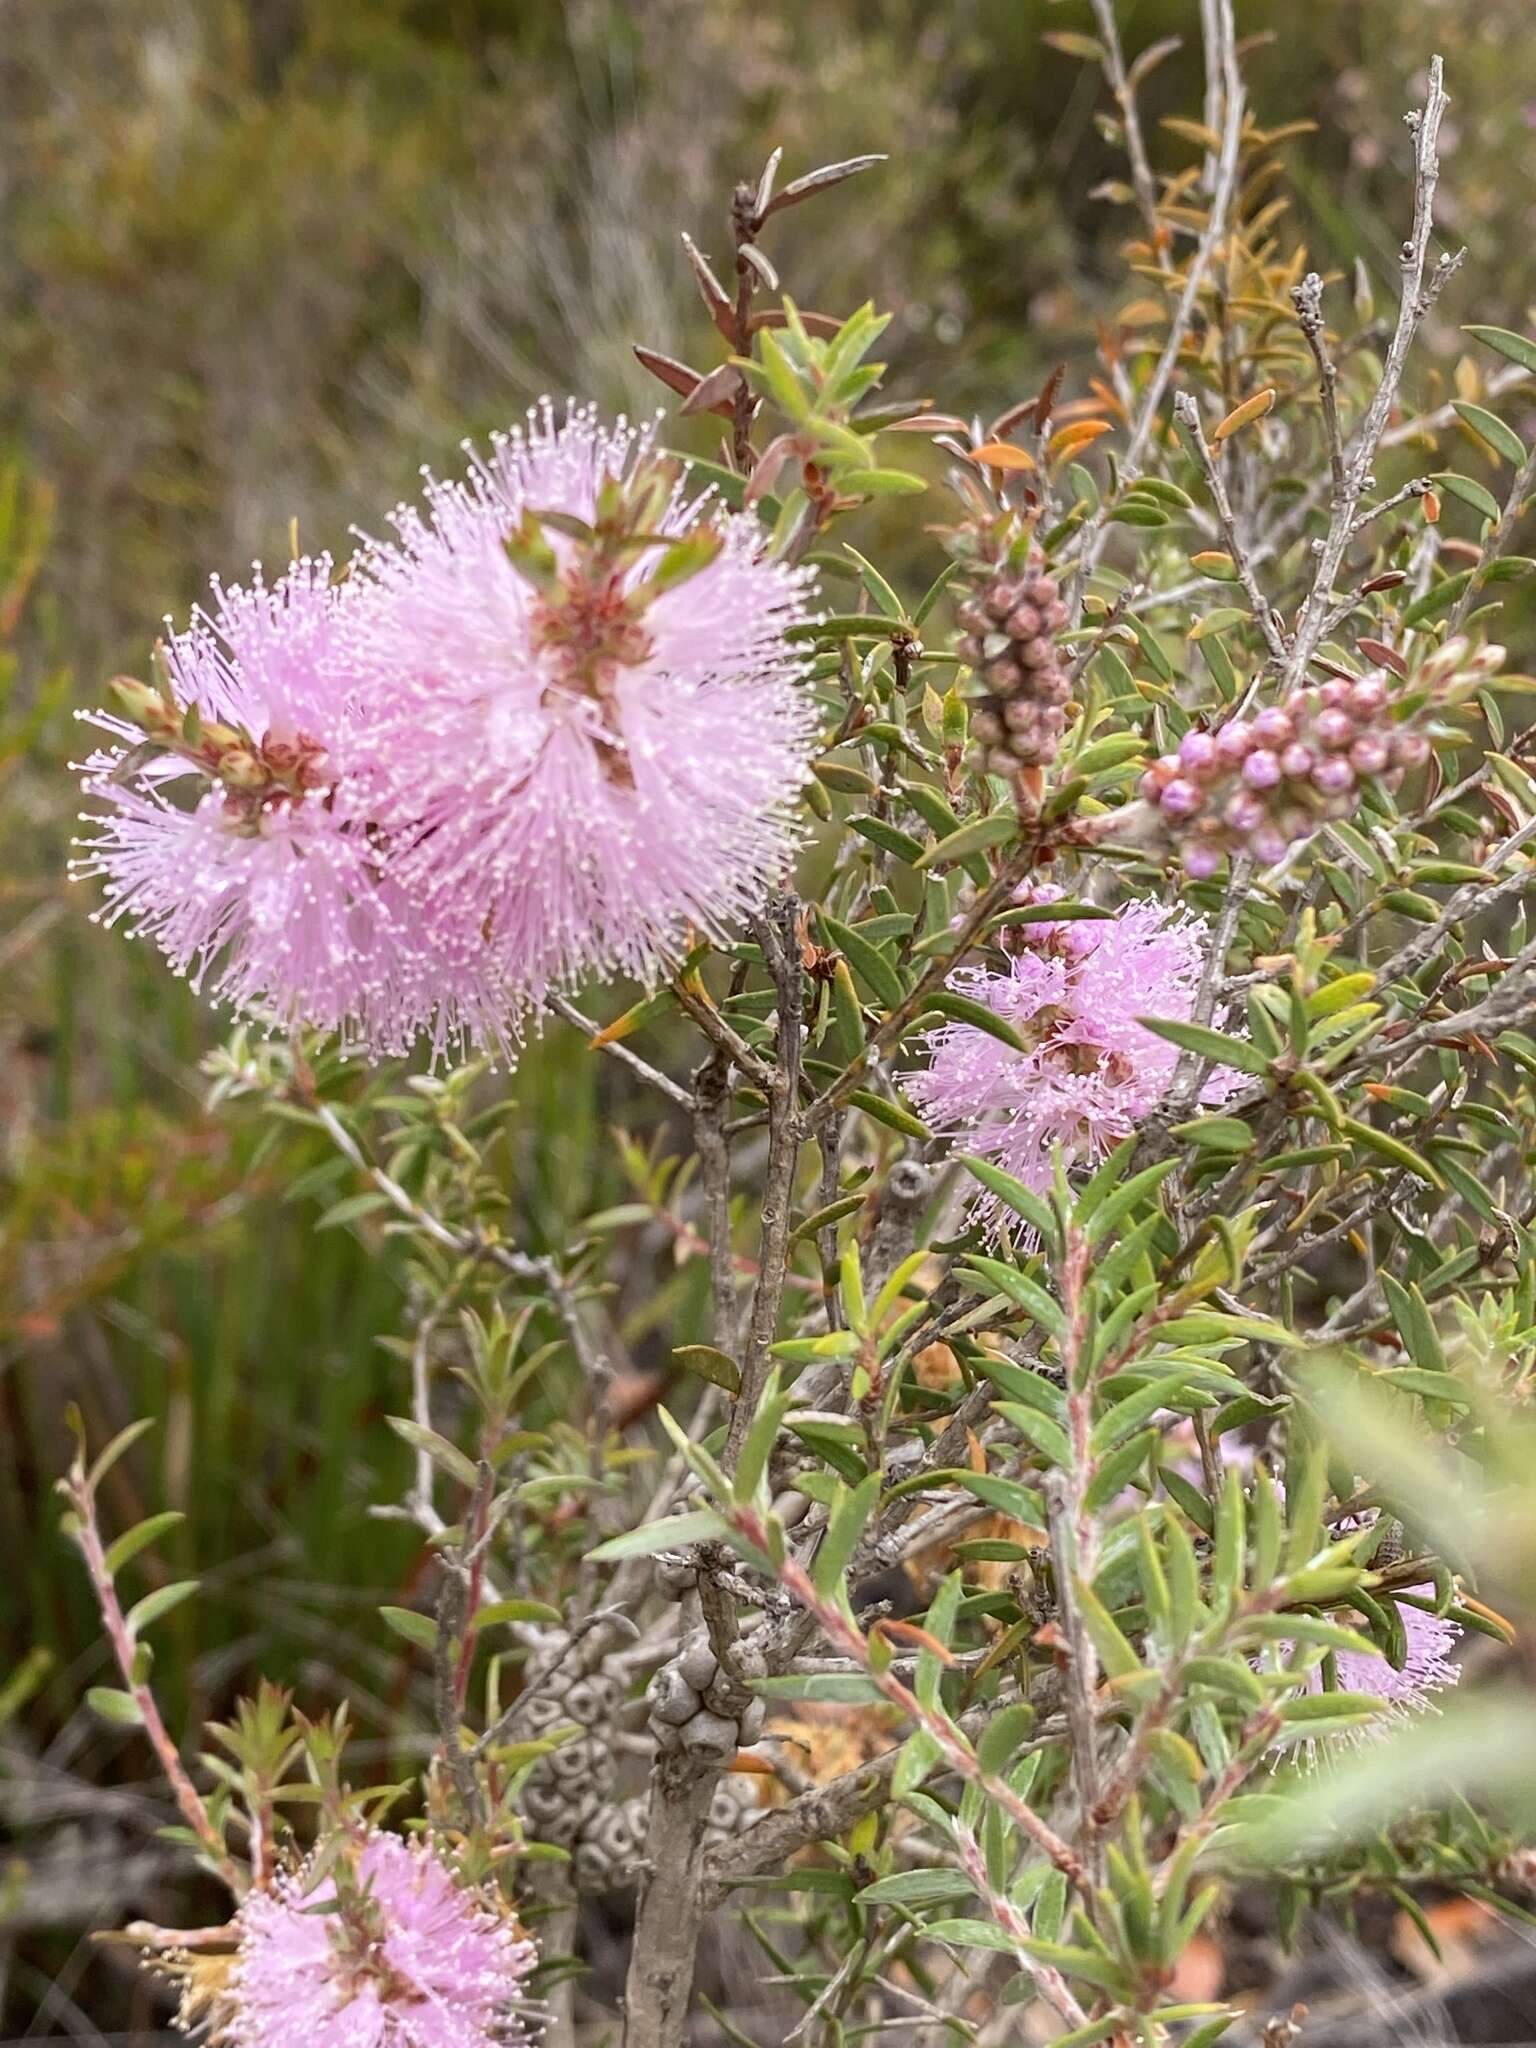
(399, 1955)
(236, 845)
(1073, 991)
(591, 740)
(1428, 1668)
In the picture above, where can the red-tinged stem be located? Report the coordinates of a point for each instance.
(852, 1641)
(115, 1623)
(1052, 1985)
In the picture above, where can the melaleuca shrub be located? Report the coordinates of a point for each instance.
(1052, 987)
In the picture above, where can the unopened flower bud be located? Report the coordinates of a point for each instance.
(1368, 697)
(1180, 800)
(1261, 770)
(1268, 844)
(240, 769)
(1272, 728)
(1335, 728)
(1297, 760)
(143, 704)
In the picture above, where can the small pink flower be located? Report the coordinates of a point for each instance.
(1428, 1668)
(585, 764)
(399, 1955)
(1091, 1071)
(237, 846)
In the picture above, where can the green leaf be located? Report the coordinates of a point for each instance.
(144, 1613)
(1470, 493)
(847, 1030)
(123, 1441)
(671, 1532)
(1028, 1294)
(1115, 1653)
(1430, 1386)
(966, 1010)
(710, 1364)
(894, 1115)
(448, 1457)
(1215, 1134)
(845, 778)
(1004, 1735)
(916, 1888)
(1210, 1045)
(1133, 512)
(1515, 346)
(351, 1209)
(876, 585)
(1328, 1706)
(118, 1707)
(811, 1350)
(972, 1934)
(1119, 1467)
(419, 1629)
(1037, 1428)
(1109, 1213)
(501, 1611)
(1502, 439)
(871, 966)
(1229, 1676)
(1438, 599)
(846, 626)
(1388, 1147)
(997, 828)
(132, 1541)
(1135, 1410)
(837, 1688)
(880, 483)
(845, 1525)
(1022, 1200)
(1008, 1496)
(1414, 1323)
(889, 838)
(1047, 913)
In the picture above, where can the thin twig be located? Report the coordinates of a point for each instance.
(1413, 304)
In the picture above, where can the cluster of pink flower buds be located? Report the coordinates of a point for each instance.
(1011, 621)
(257, 776)
(1259, 785)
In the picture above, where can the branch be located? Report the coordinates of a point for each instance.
(80, 1494)
(1307, 298)
(781, 945)
(1220, 62)
(1414, 303)
(1187, 412)
(1135, 142)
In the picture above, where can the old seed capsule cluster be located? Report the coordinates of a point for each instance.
(1259, 785)
(1011, 621)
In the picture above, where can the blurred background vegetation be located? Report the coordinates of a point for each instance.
(262, 259)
